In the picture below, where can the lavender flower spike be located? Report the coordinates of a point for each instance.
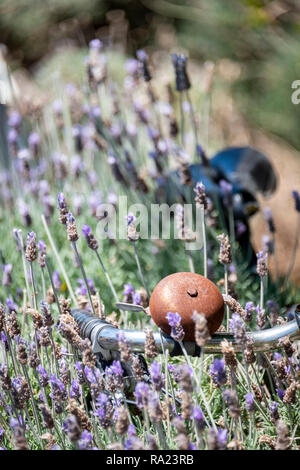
(91, 240)
(218, 372)
(174, 320)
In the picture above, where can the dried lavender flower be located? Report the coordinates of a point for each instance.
(201, 329)
(5, 380)
(260, 317)
(22, 353)
(47, 317)
(249, 351)
(225, 255)
(283, 441)
(229, 354)
(290, 394)
(150, 346)
(232, 402)
(122, 420)
(63, 208)
(47, 416)
(91, 240)
(234, 305)
(125, 351)
(200, 195)
(42, 253)
(30, 248)
(261, 268)
(71, 228)
(137, 368)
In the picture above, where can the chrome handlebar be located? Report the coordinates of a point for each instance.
(104, 337)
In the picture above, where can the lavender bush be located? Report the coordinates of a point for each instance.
(69, 158)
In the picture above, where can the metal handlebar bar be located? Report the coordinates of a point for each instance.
(104, 337)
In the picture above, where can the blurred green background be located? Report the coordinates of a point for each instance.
(259, 38)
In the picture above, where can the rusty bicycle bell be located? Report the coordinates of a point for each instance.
(184, 293)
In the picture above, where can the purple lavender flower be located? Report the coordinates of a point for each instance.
(157, 378)
(241, 228)
(33, 142)
(128, 292)
(128, 289)
(6, 280)
(41, 398)
(132, 443)
(61, 201)
(42, 246)
(250, 404)
(218, 372)
(86, 440)
(95, 44)
(74, 390)
(77, 165)
(12, 137)
(57, 107)
(130, 218)
(280, 393)
(44, 378)
(81, 290)
(199, 418)
(103, 410)
(12, 307)
(86, 230)
(222, 438)
(273, 407)
(24, 212)
(136, 298)
(132, 66)
(174, 320)
(58, 390)
(249, 309)
(142, 391)
(237, 326)
(93, 375)
(277, 356)
(56, 280)
(4, 341)
(80, 372)
(14, 120)
(77, 203)
(91, 286)
(115, 369)
(131, 431)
